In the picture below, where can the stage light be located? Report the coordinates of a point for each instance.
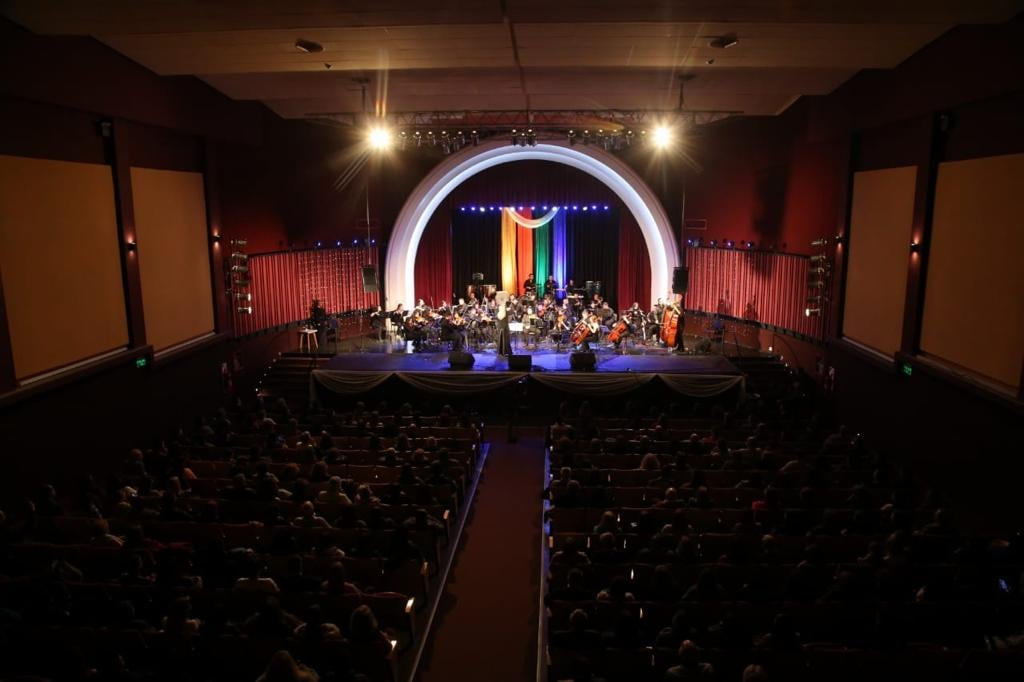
(239, 255)
(750, 244)
(319, 244)
(463, 209)
(606, 208)
(812, 312)
(914, 246)
(575, 208)
(483, 209)
(585, 208)
(662, 137)
(380, 138)
(338, 243)
(820, 242)
(373, 241)
(355, 242)
(818, 258)
(544, 208)
(245, 310)
(714, 243)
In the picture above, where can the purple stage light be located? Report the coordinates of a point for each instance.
(584, 208)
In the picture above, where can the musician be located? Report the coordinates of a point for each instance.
(415, 331)
(677, 306)
(529, 286)
(550, 284)
(398, 316)
(453, 328)
(501, 317)
(377, 322)
(593, 327)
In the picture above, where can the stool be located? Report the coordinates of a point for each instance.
(308, 338)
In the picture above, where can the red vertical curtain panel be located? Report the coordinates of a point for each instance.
(283, 285)
(524, 251)
(764, 287)
(433, 270)
(634, 264)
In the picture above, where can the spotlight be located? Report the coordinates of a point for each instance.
(245, 310)
(379, 138)
(915, 247)
(243, 297)
(308, 46)
(215, 237)
(319, 244)
(338, 243)
(475, 138)
(355, 242)
(662, 137)
(724, 42)
(812, 312)
(750, 244)
(572, 138)
(239, 255)
(131, 246)
(819, 242)
(820, 258)
(714, 243)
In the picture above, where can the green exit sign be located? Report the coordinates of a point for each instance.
(141, 362)
(906, 369)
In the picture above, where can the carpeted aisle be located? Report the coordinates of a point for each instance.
(486, 628)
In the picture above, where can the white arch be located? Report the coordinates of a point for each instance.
(400, 266)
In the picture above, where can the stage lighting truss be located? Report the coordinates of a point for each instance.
(610, 129)
(819, 278)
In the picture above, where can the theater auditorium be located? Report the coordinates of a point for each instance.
(511, 341)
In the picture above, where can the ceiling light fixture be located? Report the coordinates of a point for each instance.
(308, 46)
(724, 42)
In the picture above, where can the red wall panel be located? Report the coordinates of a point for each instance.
(754, 285)
(284, 284)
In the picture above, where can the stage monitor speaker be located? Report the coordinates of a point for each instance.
(458, 359)
(680, 279)
(520, 363)
(582, 361)
(369, 279)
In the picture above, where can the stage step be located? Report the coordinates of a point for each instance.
(288, 377)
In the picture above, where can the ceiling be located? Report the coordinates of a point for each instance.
(512, 54)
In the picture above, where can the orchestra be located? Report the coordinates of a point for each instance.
(570, 318)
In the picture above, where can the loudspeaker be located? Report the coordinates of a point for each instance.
(680, 279)
(460, 360)
(369, 279)
(520, 363)
(582, 361)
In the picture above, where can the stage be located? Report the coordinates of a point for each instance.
(615, 373)
(655, 361)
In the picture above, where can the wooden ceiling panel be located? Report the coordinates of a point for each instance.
(460, 54)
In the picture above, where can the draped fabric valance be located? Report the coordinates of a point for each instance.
(532, 223)
(343, 382)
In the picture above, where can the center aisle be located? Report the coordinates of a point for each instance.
(486, 628)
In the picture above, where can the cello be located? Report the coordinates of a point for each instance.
(580, 333)
(670, 325)
(618, 331)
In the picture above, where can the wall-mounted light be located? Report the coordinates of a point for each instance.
(915, 247)
(245, 310)
(215, 238)
(819, 242)
(812, 312)
(131, 245)
(238, 255)
(239, 242)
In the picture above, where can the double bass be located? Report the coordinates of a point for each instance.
(670, 325)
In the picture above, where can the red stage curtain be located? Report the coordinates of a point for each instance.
(524, 251)
(634, 264)
(765, 287)
(284, 284)
(434, 260)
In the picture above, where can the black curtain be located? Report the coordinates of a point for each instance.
(476, 247)
(591, 249)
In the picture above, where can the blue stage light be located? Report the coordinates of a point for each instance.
(575, 208)
(338, 243)
(373, 241)
(584, 208)
(544, 207)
